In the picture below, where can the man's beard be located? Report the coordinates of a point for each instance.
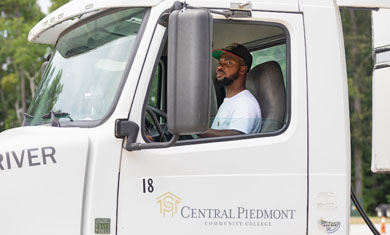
(226, 81)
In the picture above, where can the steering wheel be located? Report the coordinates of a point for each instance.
(156, 113)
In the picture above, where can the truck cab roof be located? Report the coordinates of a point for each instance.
(49, 28)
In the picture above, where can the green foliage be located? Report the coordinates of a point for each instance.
(20, 60)
(51, 93)
(21, 8)
(11, 120)
(276, 53)
(56, 4)
(9, 83)
(357, 37)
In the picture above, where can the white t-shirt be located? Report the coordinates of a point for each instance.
(240, 112)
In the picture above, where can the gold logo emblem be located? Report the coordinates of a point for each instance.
(168, 203)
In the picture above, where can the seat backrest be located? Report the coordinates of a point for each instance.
(265, 81)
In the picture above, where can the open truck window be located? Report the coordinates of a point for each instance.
(155, 126)
(267, 80)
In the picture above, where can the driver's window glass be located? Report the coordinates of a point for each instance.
(154, 93)
(155, 126)
(275, 53)
(267, 45)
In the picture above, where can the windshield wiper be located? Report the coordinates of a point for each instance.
(54, 115)
(27, 119)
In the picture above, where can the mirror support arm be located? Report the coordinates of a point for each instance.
(129, 130)
(139, 146)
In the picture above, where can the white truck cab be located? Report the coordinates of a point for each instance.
(110, 146)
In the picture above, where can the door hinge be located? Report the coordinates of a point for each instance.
(240, 9)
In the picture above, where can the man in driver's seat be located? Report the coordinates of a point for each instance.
(240, 112)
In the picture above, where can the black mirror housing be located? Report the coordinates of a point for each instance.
(189, 71)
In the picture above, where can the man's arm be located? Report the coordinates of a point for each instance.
(218, 133)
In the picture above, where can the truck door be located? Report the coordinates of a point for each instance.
(246, 184)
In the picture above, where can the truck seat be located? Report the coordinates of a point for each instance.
(265, 81)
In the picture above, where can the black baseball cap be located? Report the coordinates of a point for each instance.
(237, 50)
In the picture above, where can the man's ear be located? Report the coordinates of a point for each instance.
(243, 69)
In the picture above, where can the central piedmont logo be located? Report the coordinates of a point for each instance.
(168, 203)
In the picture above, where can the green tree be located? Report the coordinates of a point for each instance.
(357, 25)
(56, 4)
(372, 188)
(20, 60)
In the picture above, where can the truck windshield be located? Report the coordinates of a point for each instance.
(84, 73)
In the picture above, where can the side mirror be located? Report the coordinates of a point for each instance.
(189, 71)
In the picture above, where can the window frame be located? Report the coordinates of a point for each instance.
(150, 85)
(287, 117)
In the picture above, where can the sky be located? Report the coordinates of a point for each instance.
(44, 4)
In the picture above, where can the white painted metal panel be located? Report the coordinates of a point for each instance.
(42, 176)
(265, 5)
(329, 139)
(380, 121)
(258, 174)
(380, 28)
(50, 27)
(364, 3)
(380, 94)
